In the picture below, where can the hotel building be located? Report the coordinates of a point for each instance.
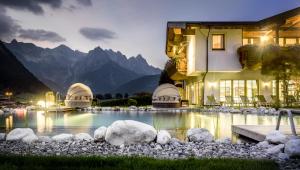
(205, 61)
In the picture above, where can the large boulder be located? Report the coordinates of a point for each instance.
(275, 149)
(83, 137)
(25, 134)
(292, 147)
(30, 138)
(225, 140)
(2, 136)
(64, 137)
(99, 133)
(199, 135)
(45, 139)
(163, 137)
(264, 144)
(129, 132)
(276, 137)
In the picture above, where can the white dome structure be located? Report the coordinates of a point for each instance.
(166, 95)
(79, 96)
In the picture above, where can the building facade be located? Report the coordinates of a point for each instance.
(204, 59)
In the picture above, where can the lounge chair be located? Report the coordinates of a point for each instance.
(229, 101)
(211, 101)
(292, 100)
(261, 101)
(245, 101)
(273, 97)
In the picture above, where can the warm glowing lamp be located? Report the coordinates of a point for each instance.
(264, 38)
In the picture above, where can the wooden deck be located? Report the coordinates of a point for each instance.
(259, 132)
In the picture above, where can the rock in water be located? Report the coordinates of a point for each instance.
(99, 133)
(64, 137)
(292, 147)
(129, 132)
(83, 137)
(199, 135)
(276, 137)
(163, 137)
(19, 134)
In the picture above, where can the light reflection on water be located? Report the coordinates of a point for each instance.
(219, 124)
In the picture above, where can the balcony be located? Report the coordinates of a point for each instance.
(176, 69)
(250, 57)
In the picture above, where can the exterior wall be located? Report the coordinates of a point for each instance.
(218, 60)
(200, 51)
(225, 60)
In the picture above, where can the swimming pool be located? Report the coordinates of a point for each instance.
(50, 123)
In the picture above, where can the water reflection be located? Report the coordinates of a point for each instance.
(8, 122)
(219, 124)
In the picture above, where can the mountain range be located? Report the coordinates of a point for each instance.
(102, 70)
(15, 77)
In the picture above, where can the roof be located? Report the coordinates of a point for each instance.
(279, 18)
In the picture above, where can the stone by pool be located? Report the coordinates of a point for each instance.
(51, 123)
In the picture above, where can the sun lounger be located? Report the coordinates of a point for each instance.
(292, 100)
(261, 101)
(229, 101)
(211, 101)
(245, 101)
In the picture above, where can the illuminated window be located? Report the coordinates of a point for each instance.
(218, 42)
(238, 90)
(281, 41)
(245, 41)
(225, 89)
(292, 89)
(290, 41)
(252, 89)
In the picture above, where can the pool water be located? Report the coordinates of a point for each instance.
(51, 123)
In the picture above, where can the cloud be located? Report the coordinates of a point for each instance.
(8, 27)
(85, 2)
(34, 6)
(97, 33)
(40, 35)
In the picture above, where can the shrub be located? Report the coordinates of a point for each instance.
(132, 102)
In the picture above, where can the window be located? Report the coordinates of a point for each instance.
(225, 89)
(291, 88)
(252, 89)
(281, 41)
(290, 41)
(238, 90)
(245, 41)
(218, 42)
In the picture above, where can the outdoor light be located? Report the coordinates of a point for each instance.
(264, 38)
(266, 84)
(41, 103)
(212, 84)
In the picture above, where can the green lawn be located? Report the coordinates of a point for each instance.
(109, 163)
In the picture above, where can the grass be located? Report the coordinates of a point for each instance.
(11, 162)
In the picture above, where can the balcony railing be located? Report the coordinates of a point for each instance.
(250, 57)
(176, 69)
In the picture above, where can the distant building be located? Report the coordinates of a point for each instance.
(205, 60)
(79, 96)
(166, 96)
